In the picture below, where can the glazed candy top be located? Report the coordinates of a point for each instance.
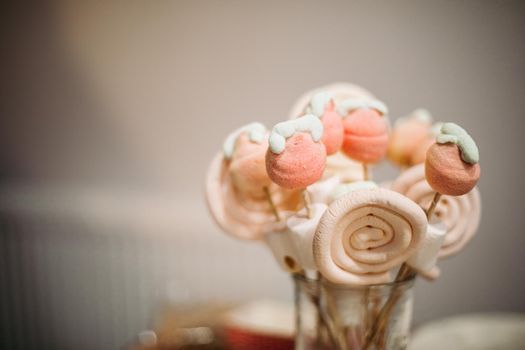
(308, 123)
(453, 133)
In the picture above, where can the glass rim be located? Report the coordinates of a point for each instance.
(323, 281)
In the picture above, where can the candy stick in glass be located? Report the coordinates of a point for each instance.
(296, 157)
(451, 168)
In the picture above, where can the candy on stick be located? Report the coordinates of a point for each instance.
(407, 136)
(244, 148)
(322, 106)
(451, 166)
(460, 214)
(365, 233)
(296, 157)
(365, 130)
(237, 186)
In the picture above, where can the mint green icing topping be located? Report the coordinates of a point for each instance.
(281, 131)
(256, 133)
(453, 133)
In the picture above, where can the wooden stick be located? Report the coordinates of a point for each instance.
(307, 203)
(381, 320)
(433, 205)
(272, 204)
(366, 175)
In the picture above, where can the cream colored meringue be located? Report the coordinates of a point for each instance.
(366, 233)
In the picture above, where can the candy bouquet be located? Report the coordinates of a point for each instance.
(305, 189)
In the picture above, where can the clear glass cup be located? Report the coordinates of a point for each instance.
(337, 317)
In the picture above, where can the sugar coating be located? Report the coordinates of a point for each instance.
(351, 104)
(453, 133)
(281, 131)
(319, 102)
(256, 132)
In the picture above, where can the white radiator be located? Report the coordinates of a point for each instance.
(83, 269)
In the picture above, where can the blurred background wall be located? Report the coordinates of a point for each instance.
(111, 112)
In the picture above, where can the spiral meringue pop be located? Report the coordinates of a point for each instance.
(366, 233)
(235, 186)
(296, 157)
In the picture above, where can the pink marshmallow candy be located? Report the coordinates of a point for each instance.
(365, 136)
(301, 163)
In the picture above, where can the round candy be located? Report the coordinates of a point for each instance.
(365, 136)
(247, 165)
(296, 157)
(452, 165)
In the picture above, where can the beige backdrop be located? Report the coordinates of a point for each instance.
(139, 95)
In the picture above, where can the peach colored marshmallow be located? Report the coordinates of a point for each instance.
(407, 136)
(247, 166)
(365, 136)
(447, 173)
(300, 164)
(333, 130)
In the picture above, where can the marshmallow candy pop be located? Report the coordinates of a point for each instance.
(236, 182)
(322, 105)
(365, 130)
(408, 134)
(451, 167)
(366, 233)
(296, 157)
(337, 164)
